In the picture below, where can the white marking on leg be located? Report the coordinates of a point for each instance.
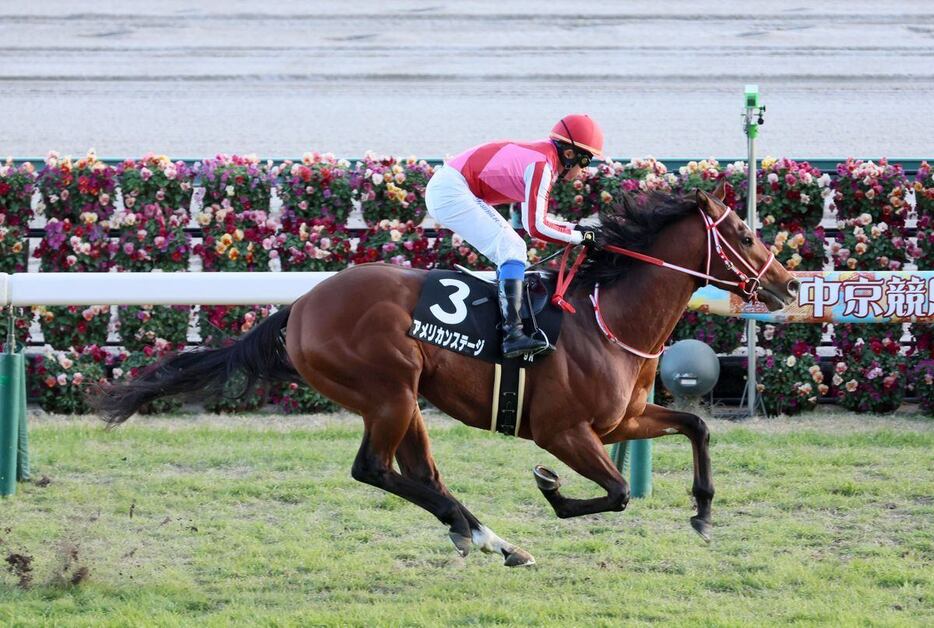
(670, 430)
(489, 542)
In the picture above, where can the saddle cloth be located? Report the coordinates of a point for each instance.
(460, 313)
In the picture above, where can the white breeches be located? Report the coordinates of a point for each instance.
(451, 203)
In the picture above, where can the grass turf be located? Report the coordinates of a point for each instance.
(255, 520)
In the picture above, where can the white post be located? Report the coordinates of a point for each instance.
(752, 119)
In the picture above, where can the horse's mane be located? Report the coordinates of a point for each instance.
(632, 222)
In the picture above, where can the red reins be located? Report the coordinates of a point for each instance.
(748, 285)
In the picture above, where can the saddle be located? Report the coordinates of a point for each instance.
(458, 310)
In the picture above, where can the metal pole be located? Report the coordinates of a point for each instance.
(751, 127)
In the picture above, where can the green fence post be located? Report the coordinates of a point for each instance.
(12, 407)
(634, 459)
(22, 449)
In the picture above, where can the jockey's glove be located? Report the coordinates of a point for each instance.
(592, 236)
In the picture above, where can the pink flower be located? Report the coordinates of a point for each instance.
(145, 173)
(77, 378)
(62, 379)
(874, 372)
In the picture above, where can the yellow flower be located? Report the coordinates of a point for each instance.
(605, 196)
(768, 162)
(226, 239)
(220, 248)
(238, 235)
(233, 254)
(17, 247)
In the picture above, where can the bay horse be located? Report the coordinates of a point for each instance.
(347, 338)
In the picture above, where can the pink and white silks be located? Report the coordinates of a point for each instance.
(461, 194)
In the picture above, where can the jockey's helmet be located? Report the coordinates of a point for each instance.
(582, 134)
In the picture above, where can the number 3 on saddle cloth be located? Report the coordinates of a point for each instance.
(459, 312)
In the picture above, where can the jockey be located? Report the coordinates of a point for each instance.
(461, 193)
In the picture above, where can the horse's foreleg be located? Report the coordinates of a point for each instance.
(579, 448)
(416, 462)
(383, 433)
(658, 421)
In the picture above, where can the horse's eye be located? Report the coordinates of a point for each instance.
(747, 241)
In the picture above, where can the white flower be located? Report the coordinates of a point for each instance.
(230, 190)
(791, 361)
(805, 199)
(823, 181)
(396, 235)
(377, 178)
(773, 178)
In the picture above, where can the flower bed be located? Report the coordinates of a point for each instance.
(865, 187)
(706, 175)
(861, 245)
(16, 187)
(391, 189)
(142, 326)
(65, 326)
(14, 248)
(395, 242)
(790, 384)
(799, 249)
(149, 241)
(452, 249)
(571, 199)
(236, 181)
(870, 373)
(724, 334)
(293, 398)
(319, 245)
(155, 180)
(792, 193)
(81, 191)
(235, 241)
(61, 379)
(317, 188)
(871, 377)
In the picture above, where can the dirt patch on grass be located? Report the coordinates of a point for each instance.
(20, 565)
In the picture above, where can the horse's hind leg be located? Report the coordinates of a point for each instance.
(416, 462)
(383, 432)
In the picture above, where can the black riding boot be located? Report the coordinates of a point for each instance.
(515, 342)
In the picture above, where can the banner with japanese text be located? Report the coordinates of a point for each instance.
(837, 297)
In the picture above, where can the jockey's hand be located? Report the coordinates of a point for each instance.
(592, 236)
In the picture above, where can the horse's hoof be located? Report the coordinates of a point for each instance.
(545, 478)
(701, 527)
(461, 543)
(518, 558)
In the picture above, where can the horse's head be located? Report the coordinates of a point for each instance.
(737, 255)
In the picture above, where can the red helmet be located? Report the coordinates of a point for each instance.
(580, 131)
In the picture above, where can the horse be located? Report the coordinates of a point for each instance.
(347, 338)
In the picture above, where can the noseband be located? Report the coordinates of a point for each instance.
(747, 284)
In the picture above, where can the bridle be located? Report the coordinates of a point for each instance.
(748, 284)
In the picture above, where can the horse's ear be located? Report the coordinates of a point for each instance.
(720, 192)
(712, 208)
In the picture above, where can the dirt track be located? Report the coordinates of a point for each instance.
(432, 77)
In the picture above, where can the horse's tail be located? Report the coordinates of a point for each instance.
(259, 356)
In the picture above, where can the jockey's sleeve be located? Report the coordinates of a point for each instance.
(535, 218)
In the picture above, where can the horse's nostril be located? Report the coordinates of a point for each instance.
(794, 286)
